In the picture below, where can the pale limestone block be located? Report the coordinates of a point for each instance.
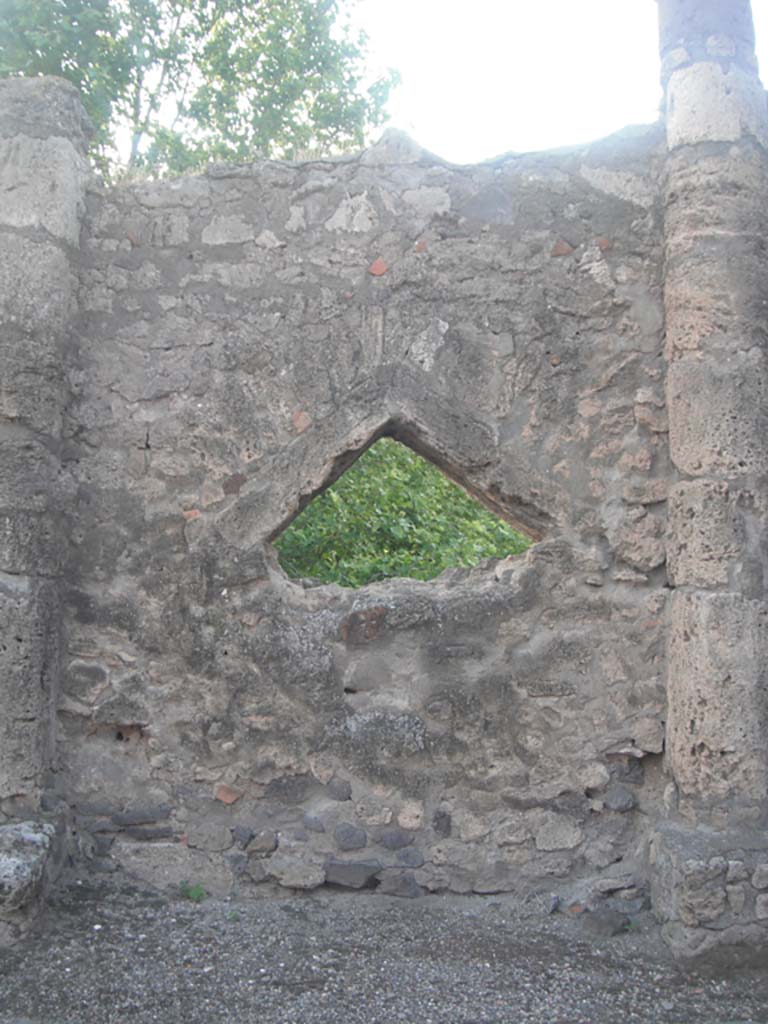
(297, 867)
(411, 815)
(42, 183)
(297, 220)
(470, 827)
(760, 877)
(355, 214)
(558, 833)
(648, 734)
(707, 103)
(514, 830)
(231, 229)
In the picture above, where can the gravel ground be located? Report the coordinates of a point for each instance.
(124, 956)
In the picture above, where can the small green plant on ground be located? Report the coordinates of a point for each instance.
(392, 514)
(196, 893)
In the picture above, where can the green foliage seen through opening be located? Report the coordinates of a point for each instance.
(392, 514)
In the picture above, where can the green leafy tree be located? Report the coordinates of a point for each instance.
(392, 514)
(195, 80)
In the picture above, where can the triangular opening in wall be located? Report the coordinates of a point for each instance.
(392, 514)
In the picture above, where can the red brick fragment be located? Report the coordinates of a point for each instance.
(191, 513)
(562, 248)
(378, 267)
(301, 420)
(226, 794)
(421, 245)
(603, 243)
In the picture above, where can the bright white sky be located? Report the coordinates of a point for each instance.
(490, 76)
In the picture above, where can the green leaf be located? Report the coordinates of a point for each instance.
(392, 514)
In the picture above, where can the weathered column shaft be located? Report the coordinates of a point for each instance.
(716, 299)
(42, 179)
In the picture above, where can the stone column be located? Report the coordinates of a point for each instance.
(716, 301)
(43, 170)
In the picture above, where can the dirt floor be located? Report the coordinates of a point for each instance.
(126, 956)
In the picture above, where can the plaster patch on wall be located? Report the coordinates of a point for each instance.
(632, 188)
(355, 214)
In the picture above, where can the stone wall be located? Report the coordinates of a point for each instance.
(239, 338)
(243, 336)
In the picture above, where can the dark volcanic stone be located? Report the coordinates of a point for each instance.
(619, 798)
(242, 834)
(142, 815)
(400, 883)
(339, 789)
(441, 823)
(395, 838)
(352, 874)
(410, 857)
(350, 837)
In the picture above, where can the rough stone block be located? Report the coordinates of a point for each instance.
(707, 102)
(558, 833)
(32, 391)
(262, 843)
(27, 472)
(351, 874)
(703, 539)
(25, 849)
(707, 194)
(28, 675)
(714, 278)
(41, 186)
(718, 415)
(716, 712)
(43, 107)
(295, 867)
(37, 286)
(689, 893)
(30, 543)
